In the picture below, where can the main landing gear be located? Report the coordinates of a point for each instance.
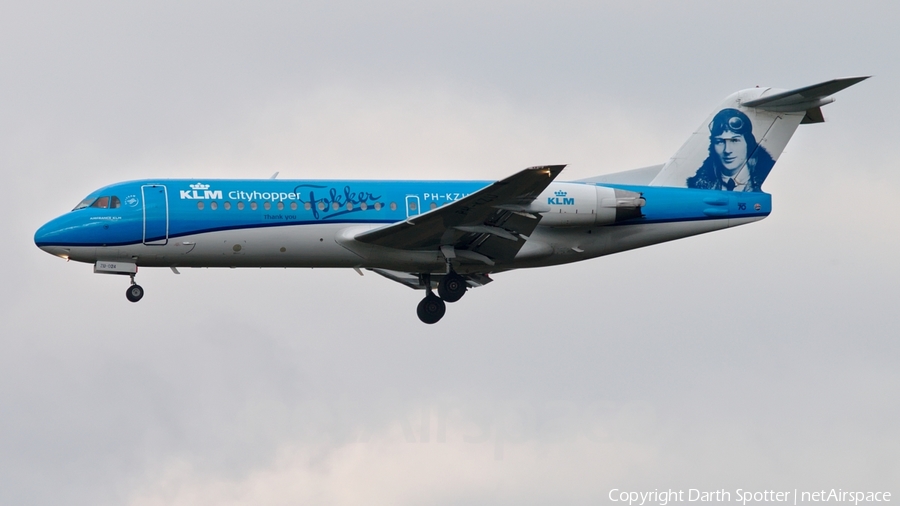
(450, 289)
(134, 292)
(431, 309)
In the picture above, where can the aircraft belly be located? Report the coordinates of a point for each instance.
(331, 245)
(287, 246)
(562, 246)
(79, 253)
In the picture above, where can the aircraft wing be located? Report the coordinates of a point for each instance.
(488, 226)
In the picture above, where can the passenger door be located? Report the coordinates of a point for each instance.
(156, 214)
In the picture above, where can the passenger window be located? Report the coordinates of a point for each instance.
(101, 203)
(114, 203)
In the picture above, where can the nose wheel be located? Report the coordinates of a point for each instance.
(134, 292)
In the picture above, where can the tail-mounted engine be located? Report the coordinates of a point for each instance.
(574, 204)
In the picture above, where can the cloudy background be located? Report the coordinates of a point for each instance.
(762, 357)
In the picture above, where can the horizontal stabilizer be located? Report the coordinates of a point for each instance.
(805, 98)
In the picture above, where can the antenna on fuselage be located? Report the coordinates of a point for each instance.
(274, 175)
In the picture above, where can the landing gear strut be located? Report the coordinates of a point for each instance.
(134, 292)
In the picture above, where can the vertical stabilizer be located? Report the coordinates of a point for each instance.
(739, 143)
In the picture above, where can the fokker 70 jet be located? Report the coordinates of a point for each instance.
(447, 236)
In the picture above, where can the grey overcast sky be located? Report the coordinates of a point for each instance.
(762, 357)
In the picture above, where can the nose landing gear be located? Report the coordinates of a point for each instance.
(134, 292)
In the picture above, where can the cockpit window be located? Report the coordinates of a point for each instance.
(85, 203)
(101, 203)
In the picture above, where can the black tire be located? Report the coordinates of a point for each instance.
(431, 309)
(452, 287)
(134, 293)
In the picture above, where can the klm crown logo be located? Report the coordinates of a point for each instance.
(200, 191)
(560, 199)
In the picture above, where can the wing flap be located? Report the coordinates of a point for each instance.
(414, 281)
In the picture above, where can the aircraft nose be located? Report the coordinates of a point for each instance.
(45, 238)
(42, 234)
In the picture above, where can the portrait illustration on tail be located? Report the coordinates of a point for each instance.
(736, 162)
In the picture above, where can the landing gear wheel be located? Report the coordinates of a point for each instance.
(452, 287)
(431, 309)
(134, 293)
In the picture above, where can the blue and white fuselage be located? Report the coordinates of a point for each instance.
(282, 223)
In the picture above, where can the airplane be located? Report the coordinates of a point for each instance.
(448, 236)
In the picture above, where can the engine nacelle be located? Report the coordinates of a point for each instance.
(582, 205)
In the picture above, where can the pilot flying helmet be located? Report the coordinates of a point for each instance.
(731, 120)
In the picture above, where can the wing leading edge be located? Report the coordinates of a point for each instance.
(488, 226)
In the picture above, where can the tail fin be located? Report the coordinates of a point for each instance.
(740, 141)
